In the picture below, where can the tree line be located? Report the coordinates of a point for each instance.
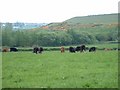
(28, 38)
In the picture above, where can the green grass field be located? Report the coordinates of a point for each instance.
(53, 69)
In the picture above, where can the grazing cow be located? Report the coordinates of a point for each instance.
(78, 48)
(92, 49)
(37, 50)
(40, 50)
(114, 48)
(72, 49)
(13, 49)
(81, 48)
(5, 50)
(62, 49)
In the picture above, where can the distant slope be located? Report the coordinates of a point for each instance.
(93, 19)
(106, 20)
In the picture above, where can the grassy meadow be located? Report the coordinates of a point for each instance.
(53, 69)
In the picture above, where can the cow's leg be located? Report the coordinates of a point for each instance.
(36, 51)
(39, 51)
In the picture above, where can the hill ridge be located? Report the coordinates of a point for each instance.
(83, 21)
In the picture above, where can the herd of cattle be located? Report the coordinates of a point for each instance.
(81, 49)
(37, 50)
(71, 49)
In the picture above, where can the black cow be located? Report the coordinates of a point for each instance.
(78, 48)
(37, 50)
(92, 49)
(40, 50)
(72, 49)
(13, 49)
(81, 48)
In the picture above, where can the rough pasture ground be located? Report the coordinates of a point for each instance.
(54, 70)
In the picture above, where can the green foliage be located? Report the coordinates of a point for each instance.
(73, 36)
(60, 70)
(54, 38)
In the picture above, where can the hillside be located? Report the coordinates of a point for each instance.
(105, 20)
(93, 19)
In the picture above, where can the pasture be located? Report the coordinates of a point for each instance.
(53, 69)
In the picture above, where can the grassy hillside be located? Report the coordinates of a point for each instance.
(93, 19)
(94, 24)
(105, 20)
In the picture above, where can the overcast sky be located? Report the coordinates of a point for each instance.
(46, 11)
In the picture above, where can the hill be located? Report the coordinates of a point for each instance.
(93, 19)
(105, 20)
